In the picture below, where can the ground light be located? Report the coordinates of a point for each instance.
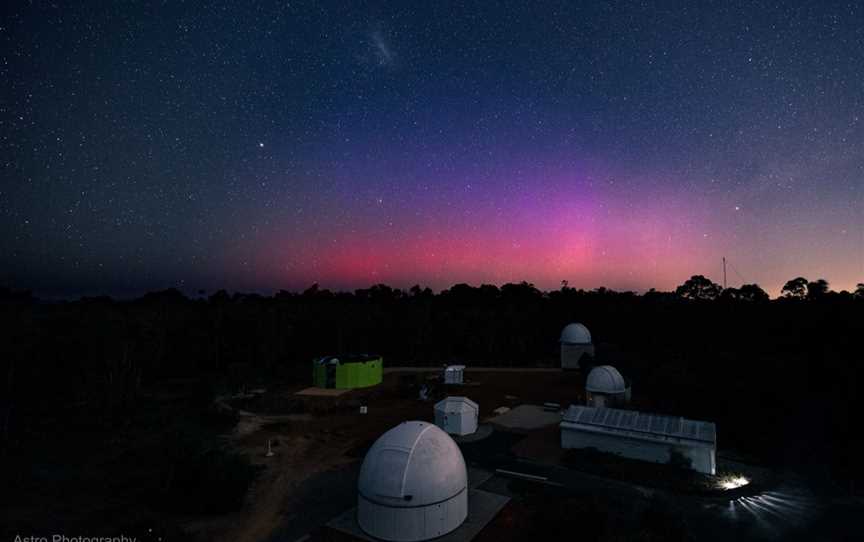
(732, 482)
(773, 513)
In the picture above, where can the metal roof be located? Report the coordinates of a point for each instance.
(347, 358)
(457, 403)
(639, 424)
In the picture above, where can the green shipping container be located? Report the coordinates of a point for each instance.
(347, 372)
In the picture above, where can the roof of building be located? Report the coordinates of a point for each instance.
(457, 403)
(347, 358)
(639, 424)
(575, 333)
(454, 368)
(605, 379)
(413, 464)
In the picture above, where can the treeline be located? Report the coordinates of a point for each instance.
(776, 374)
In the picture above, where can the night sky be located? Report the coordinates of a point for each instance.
(224, 145)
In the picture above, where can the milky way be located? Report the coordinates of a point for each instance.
(212, 145)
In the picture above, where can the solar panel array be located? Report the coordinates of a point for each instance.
(616, 420)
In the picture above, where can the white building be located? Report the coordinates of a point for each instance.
(647, 437)
(413, 484)
(453, 374)
(606, 387)
(575, 343)
(457, 415)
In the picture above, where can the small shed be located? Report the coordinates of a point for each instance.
(453, 374)
(457, 415)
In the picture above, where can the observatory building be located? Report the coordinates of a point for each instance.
(345, 372)
(648, 437)
(457, 415)
(575, 343)
(606, 387)
(413, 484)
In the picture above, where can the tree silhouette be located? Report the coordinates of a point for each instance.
(859, 290)
(795, 288)
(522, 291)
(384, 293)
(817, 289)
(700, 288)
(751, 293)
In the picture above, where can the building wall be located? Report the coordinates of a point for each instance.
(701, 458)
(454, 376)
(571, 354)
(456, 423)
(469, 423)
(441, 419)
(414, 523)
(598, 400)
(359, 374)
(350, 375)
(607, 400)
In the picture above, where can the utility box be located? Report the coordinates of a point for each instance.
(454, 374)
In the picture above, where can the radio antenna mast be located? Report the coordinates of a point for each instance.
(724, 272)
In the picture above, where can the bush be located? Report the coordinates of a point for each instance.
(202, 479)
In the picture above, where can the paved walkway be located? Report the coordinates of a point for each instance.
(525, 418)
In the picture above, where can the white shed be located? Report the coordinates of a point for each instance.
(457, 415)
(575, 343)
(413, 484)
(637, 435)
(453, 374)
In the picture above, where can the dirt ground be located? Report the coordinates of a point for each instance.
(336, 434)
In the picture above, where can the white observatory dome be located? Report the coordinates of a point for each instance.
(605, 379)
(575, 333)
(413, 484)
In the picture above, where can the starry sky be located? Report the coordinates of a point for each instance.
(255, 146)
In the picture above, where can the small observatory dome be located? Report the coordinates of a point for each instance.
(605, 379)
(575, 333)
(413, 484)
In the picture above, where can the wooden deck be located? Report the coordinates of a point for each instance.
(323, 392)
